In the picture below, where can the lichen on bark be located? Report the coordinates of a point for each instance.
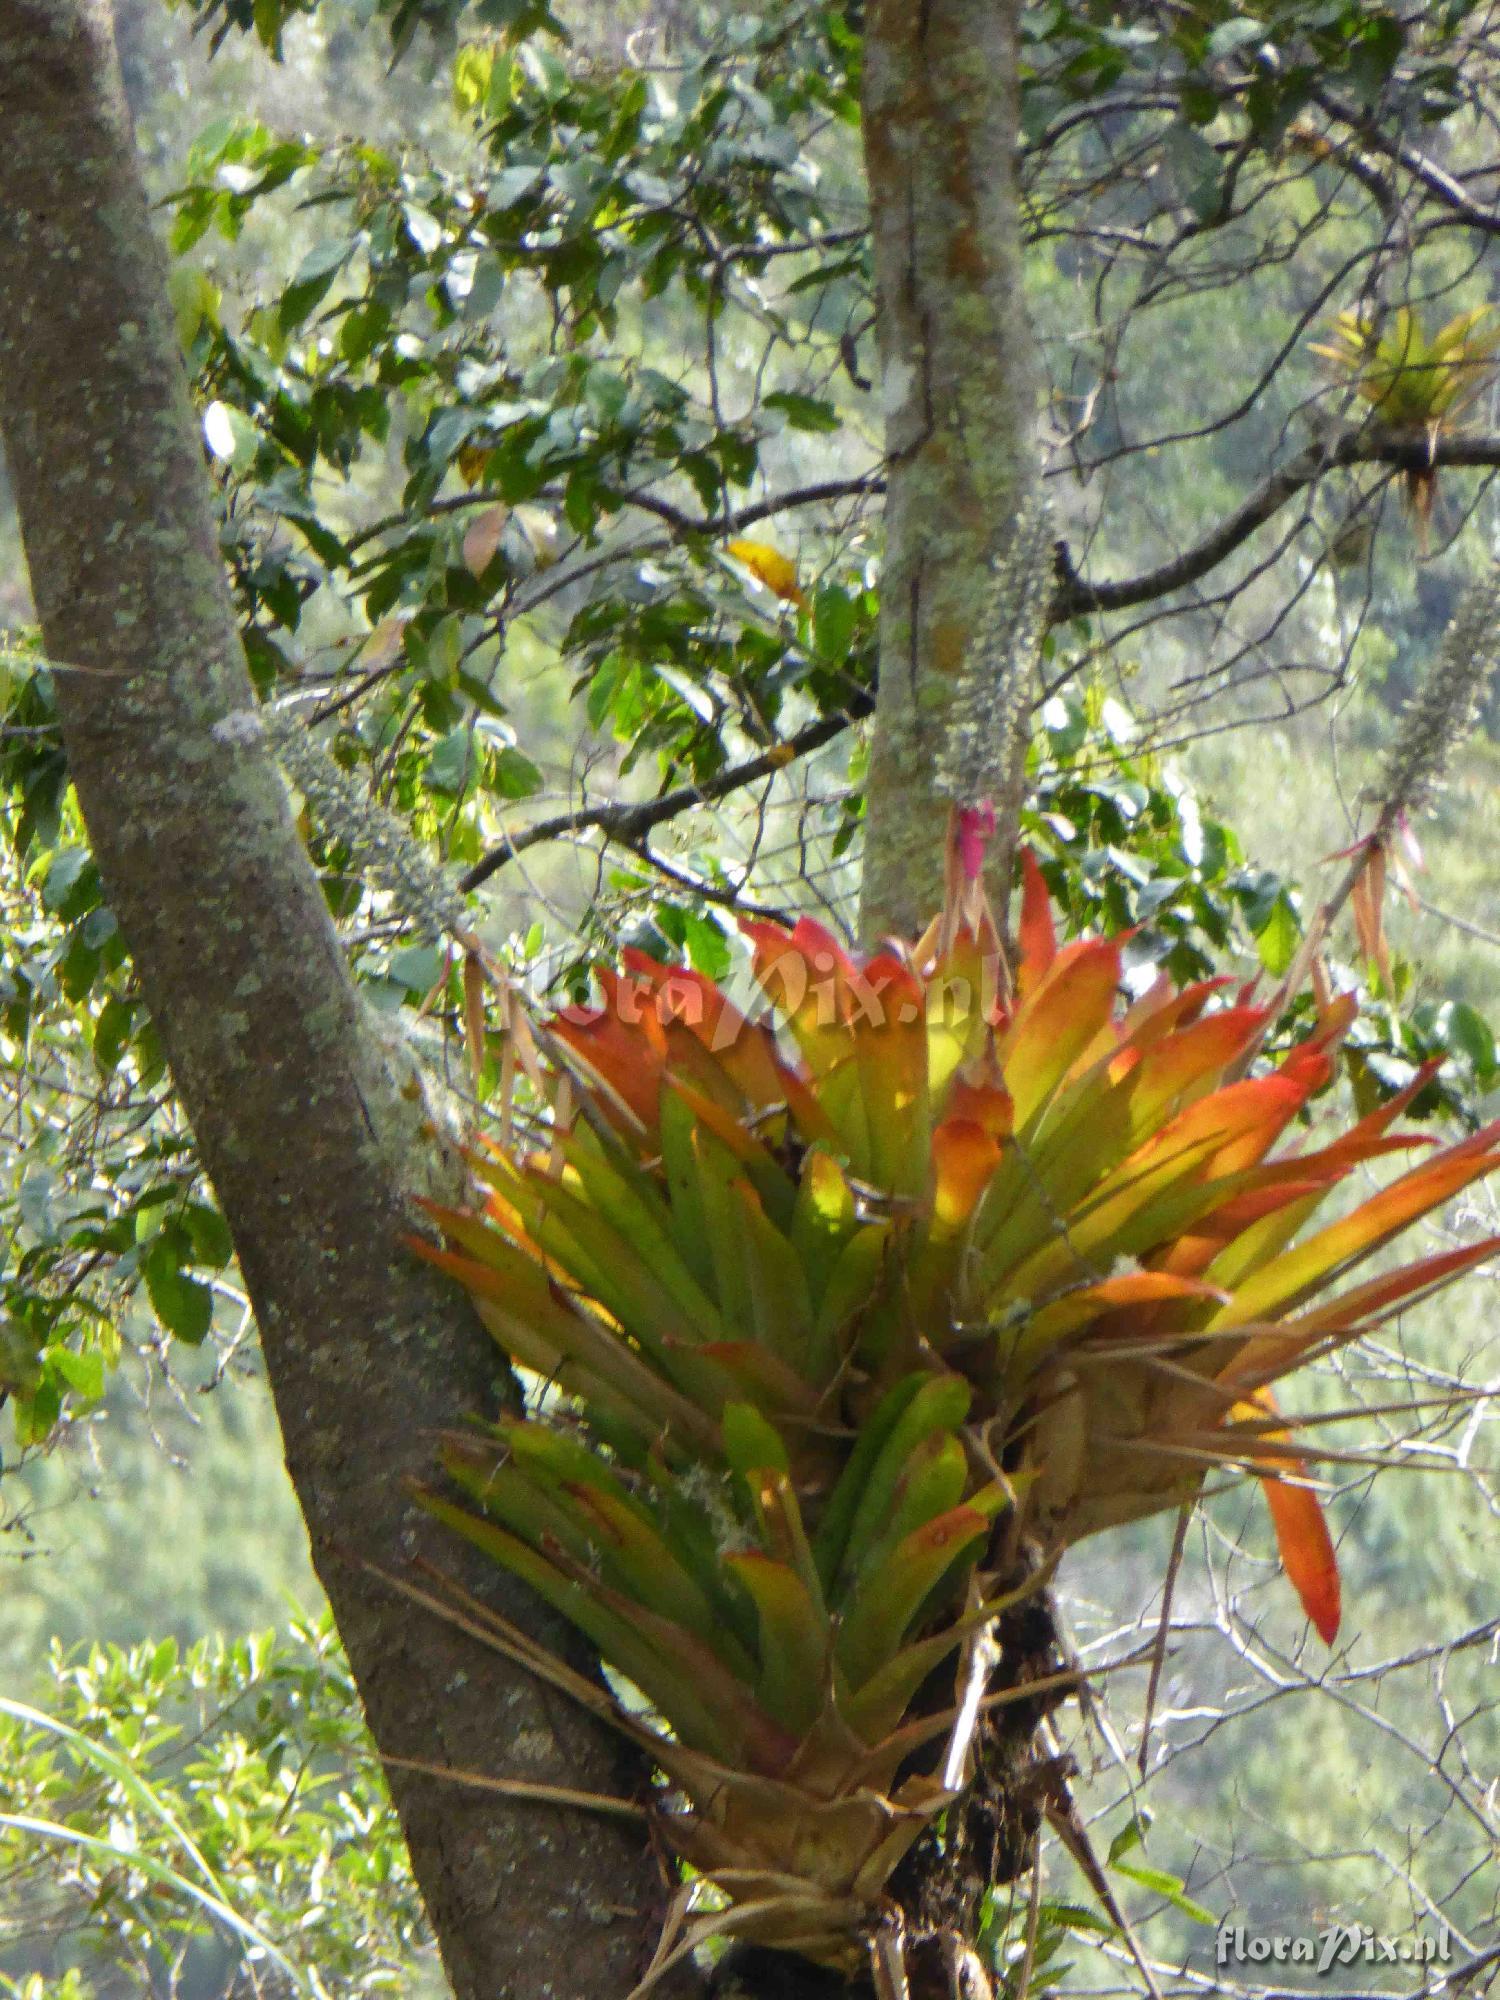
(940, 120)
(306, 1124)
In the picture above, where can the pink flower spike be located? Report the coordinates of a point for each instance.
(976, 829)
(1410, 842)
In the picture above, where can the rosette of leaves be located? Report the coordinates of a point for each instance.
(1413, 384)
(843, 1314)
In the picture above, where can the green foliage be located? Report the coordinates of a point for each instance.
(111, 1210)
(168, 1807)
(1128, 846)
(1412, 382)
(105, 1199)
(527, 437)
(164, 1511)
(268, 19)
(1204, 53)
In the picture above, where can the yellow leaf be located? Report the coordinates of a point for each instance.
(473, 462)
(384, 641)
(769, 566)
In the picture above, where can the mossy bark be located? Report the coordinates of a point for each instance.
(940, 135)
(312, 1136)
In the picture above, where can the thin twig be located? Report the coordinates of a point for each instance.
(1163, 1631)
(631, 821)
(520, 1788)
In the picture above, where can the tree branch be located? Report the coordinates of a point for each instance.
(740, 518)
(1077, 594)
(677, 518)
(1444, 189)
(630, 821)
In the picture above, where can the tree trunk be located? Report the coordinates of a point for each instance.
(940, 132)
(311, 1133)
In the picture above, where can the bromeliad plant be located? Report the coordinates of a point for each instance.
(1413, 384)
(840, 1317)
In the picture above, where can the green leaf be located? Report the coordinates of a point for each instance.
(417, 967)
(112, 1028)
(37, 1410)
(34, 1203)
(751, 1444)
(1195, 169)
(1278, 938)
(939, 1405)
(184, 1305)
(890, 1592)
(1229, 36)
(834, 620)
(313, 281)
(794, 1640)
(473, 68)
(844, 1502)
(212, 1242)
(1169, 1886)
(268, 16)
(230, 436)
(83, 1373)
(707, 947)
(1130, 1836)
(66, 871)
(452, 763)
(513, 774)
(20, 1363)
(803, 413)
(1468, 1034)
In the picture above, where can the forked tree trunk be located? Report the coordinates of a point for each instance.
(307, 1126)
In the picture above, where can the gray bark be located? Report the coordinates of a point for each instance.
(310, 1133)
(940, 132)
